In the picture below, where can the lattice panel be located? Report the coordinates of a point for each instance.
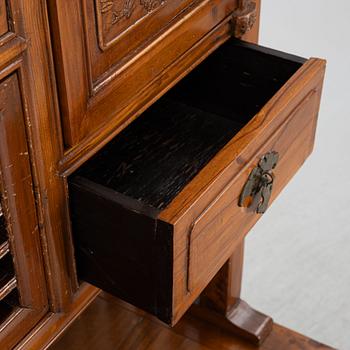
(9, 299)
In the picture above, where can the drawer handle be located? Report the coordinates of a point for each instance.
(257, 190)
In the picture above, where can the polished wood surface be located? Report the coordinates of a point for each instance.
(173, 73)
(212, 196)
(111, 324)
(52, 325)
(18, 210)
(224, 289)
(221, 304)
(72, 79)
(102, 87)
(35, 69)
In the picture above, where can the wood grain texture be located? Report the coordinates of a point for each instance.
(133, 22)
(83, 110)
(77, 155)
(95, 329)
(224, 289)
(241, 320)
(153, 159)
(54, 324)
(46, 149)
(18, 207)
(221, 304)
(93, 99)
(217, 217)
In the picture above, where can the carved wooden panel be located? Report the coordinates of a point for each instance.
(123, 28)
(108, 51)
(4, 27)
(23, 299)
(116, 16)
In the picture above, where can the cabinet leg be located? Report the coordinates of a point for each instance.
(221, 305)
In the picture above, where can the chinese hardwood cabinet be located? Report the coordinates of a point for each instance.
(140, 141)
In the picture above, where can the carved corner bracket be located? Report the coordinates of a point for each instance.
(244, 18)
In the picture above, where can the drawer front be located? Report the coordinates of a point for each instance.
(108, 52)
(206, 218)
(223, 224)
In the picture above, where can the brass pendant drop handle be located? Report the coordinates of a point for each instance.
(257, 190)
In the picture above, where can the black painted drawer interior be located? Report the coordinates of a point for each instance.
(156, 156)
(117, 195)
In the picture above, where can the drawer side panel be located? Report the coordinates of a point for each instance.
(118, 248)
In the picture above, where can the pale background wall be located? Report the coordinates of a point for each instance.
(298, 256)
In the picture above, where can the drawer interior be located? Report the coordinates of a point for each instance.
(158, 154)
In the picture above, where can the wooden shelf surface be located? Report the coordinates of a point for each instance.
(109, 323)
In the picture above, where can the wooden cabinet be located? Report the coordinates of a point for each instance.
(77, 76)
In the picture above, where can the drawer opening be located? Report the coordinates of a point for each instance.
(157, 155)
(122, 242)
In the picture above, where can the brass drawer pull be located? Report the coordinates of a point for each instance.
(257, 190)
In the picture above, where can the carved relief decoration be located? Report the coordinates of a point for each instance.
(115, 17)
(115, 11)
(244, 18)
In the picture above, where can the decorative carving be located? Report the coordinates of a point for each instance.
(244, 18)
(150, 5)
(120, 10)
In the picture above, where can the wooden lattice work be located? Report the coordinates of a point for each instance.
(8, 281)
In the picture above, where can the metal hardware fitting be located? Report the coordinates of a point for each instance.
(244, 18)
(258, 188)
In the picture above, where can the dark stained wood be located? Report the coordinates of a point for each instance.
(154, 158)
(129, 267)
(131, 190)
(109, 324)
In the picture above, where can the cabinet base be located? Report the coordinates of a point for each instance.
(241, 320)
(96, 329)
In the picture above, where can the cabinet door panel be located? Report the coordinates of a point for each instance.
(23, 299)
(108, 52)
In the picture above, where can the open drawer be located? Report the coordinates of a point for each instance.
(158, 211)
